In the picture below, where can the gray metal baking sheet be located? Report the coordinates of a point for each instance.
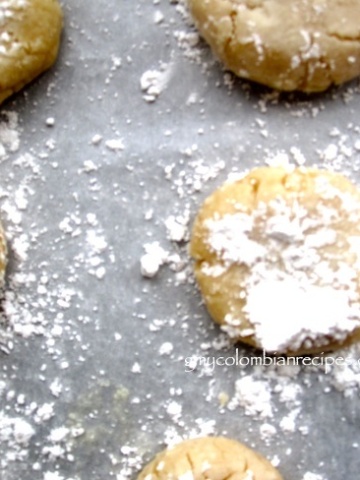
(134, 125)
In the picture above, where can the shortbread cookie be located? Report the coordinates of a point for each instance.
(277, 259)
(214, 458)
(29, 41)
(304, 45)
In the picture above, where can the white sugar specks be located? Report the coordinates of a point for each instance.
(22, 431)
(16, 433)
(313, 476)
(158, 17)
(152, 260)
(166, 348)
(154, 82)
(115, 144)
(177, 227)
(9, 133)
(106, 350)
(267, 431)
(252, 395)
(174, 409)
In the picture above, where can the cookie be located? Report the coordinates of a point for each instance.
(29, 41)
(304, 45)
(215, 458)
(277, 259)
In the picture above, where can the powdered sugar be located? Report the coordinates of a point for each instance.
(8, 10)
(252, 395)
(9, 133)
(285, 314)
(8, 7)
(231, 232)
(154, 82)
(283, 303)
(154, 257)
(95, 363)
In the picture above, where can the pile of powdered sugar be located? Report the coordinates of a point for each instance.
(154, 82)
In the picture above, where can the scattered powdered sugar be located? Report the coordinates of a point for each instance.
(267, 432)
(154, 82)
(253, 396)
(177, 227)
(39, 304)
(313, 476)
(166, 348)
(153, 259)
(177, 231)
(263, 392)
(131, 463)
(115, 144)
(9, 133)
(158, 17)
(189, 44)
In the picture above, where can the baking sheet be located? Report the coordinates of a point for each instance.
(129, 132)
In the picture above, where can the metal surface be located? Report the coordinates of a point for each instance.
(117, 387)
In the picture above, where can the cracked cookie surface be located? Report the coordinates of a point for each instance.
(304, 45)
(29, 41)
(209, 458)
(277, 259)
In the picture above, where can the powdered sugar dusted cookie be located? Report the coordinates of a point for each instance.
(277, 259)
(215, 458)
(304, 45)
(29, 41)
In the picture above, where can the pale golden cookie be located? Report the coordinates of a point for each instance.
(304, 45)
(277, 259)
(29, 41)
(209, 458)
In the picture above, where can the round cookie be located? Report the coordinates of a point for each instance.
(29, 41)
(304, 45)
(277, 259)
(215, 458)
